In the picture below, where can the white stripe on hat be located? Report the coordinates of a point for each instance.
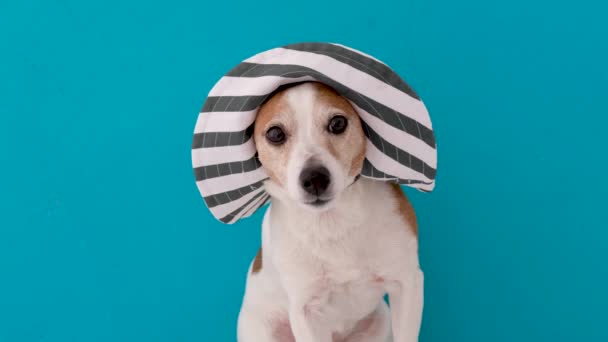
(218, 185)
(222, 154)
(224, 121)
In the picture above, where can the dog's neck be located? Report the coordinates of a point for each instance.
(356, 207)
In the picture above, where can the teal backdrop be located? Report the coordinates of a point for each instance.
(103, 235)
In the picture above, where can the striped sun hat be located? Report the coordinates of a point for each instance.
(400, 140)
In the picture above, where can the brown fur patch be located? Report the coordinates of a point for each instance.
(405, 208)
(357, 164)
(257, 262)
(267, 112)
(331, 97)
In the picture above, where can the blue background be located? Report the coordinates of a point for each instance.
(103, 235)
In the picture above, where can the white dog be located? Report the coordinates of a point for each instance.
(333, 244)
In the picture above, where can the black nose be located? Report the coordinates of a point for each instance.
(315, 180)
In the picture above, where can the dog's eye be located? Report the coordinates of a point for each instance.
(275, 135)
(337, 124)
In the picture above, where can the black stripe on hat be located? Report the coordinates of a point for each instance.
(232, 195)
(363, 63)
(217, 139)
(229, 217)
(225, 169)
(379, 110)
(369, 170)
(404, 158)
(232, 103)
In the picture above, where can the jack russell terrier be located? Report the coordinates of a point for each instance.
(333, 244)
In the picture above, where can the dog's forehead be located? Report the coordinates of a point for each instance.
(298, 101)
(302, 97)
(315, 98)
(302, 101)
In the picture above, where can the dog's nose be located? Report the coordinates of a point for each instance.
(315, 180)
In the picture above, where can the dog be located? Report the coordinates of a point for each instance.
(333, 244)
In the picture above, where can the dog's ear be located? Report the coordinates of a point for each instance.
(401, 143)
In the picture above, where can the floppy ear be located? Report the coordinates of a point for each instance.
(400, 140)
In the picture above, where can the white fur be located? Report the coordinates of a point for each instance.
(325, 271)
(302, 99)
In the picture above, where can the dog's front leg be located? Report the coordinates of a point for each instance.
(306, 313)
(406, 302)
(306, 328)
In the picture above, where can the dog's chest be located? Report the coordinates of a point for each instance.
(341, 281)
(348, 292)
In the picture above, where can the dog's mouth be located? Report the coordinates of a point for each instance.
(318, 202)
